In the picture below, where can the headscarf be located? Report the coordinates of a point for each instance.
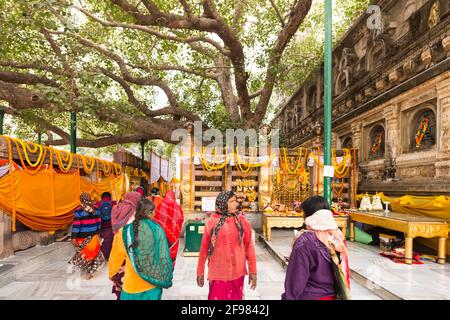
(86, 202)
(222, 209)
(151, 259)
(121, 213)
(169, 216)
(141, 191)
(327, 231)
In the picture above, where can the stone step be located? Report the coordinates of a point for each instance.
(355, 276)
(27, 261)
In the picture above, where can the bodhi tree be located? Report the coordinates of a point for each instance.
(137, 70)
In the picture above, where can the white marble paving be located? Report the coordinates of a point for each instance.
(429, 281)
(56, 280)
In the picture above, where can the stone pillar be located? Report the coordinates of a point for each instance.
(334, 138)
(6, 249)
(442, 164)
(392, 116)
(356, 135)
(187, 177)
(264, 185)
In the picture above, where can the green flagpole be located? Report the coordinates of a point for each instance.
(73, 132)
(327, 96)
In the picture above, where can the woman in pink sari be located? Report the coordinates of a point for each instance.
(170, 217)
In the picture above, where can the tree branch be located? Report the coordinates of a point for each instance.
(27, 78)
(186, 8)
(22, 98)
(30, 65)
(43, 123)
(152, 32)
(239, 5)
(278, 13)
(297, 15)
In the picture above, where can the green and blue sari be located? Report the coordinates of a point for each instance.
(151, 259)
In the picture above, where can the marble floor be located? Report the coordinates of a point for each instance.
(57, 280)
(429, 281)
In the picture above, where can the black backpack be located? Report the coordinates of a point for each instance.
(105, 210)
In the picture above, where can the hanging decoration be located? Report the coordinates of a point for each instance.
(136, 172)
(209, 167)
(299, 162)
(421, 131)
(342, 168)
(247, 187)
(244, 169)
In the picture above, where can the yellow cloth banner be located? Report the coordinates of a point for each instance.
(428, 206)
(45, 201)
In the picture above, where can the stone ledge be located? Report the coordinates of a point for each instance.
(27, 261)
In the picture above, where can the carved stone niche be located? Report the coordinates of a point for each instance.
(426, 56)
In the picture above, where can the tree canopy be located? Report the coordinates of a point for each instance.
(138, 69)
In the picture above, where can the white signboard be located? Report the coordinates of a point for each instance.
(208, 203)
(328, 171)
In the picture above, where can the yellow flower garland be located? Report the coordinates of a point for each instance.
(342, 168)
(60, 159)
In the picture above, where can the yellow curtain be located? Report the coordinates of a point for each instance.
(428, 206)
(45, 200)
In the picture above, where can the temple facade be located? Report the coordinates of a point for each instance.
(391, 99)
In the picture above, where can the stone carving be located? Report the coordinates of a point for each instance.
(393, 76)
(434, 17)
(408, 67)
(368, 92)
(390, 166)
(426, 57)
(446, 44)
(380, 84)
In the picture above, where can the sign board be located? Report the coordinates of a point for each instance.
(328, 171)
(208, 203)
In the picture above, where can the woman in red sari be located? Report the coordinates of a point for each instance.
(170, 216)
(227, 245)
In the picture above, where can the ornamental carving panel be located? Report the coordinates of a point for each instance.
(428, 230)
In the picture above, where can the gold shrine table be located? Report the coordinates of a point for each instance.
(411, 225)
(270, 222)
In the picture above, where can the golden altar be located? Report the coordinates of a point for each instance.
(411, 225)
(271, 221)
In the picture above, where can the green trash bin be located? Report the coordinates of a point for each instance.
(194, 234)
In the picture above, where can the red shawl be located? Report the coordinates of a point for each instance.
(170, 217)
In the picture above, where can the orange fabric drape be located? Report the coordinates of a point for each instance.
(44, 201)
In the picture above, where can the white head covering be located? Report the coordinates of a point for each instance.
(321, 220)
